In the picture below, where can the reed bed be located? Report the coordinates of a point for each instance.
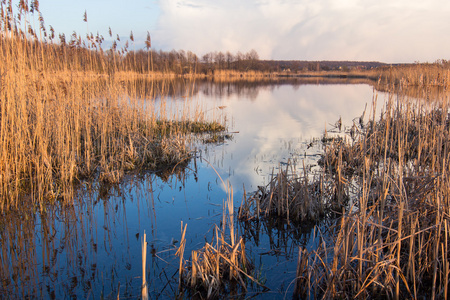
(418, 74)
(392, 241)
(65, 117)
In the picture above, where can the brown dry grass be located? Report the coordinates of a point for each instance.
(69, 112)
(392, 176)
(393, 241)
(290, 197)
(418, 74)
(221, 267)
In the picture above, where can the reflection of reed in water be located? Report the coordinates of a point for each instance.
(19, 264)
(283, 238)
(48, 254)
(83, 250)
(431, 93)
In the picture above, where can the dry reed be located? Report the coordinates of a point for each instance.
(144, 292)
(393, 240)
(221, 266)
(390, 182)
(294, 197)
(65, 116)
(417, 74)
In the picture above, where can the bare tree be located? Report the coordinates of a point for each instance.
(239, 59)
(219, 59)
(192, 62)
(229, 59)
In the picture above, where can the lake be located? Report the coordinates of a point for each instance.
(93, 248)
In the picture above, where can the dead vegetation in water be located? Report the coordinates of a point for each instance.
(389, 179)
(293, 197)
(169, 127)
(221, 266)
(298, 197)
(393, 241)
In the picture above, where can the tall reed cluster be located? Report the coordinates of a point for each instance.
(393, 239)
(65, 117)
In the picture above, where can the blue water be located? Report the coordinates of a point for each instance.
(93, 249)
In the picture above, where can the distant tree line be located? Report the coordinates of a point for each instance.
(185, 62)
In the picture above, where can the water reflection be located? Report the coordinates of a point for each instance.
(224, 87)
(92, 249)
(279, 126)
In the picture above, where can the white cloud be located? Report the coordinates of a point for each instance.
(391, 31)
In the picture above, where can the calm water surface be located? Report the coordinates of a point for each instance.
(93, 249)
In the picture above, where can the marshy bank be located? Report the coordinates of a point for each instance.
(94, 155)
(55, 133)
(59, 126)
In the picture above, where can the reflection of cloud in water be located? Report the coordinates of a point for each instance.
(278, 124)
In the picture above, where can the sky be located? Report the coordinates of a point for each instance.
(392, 31)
